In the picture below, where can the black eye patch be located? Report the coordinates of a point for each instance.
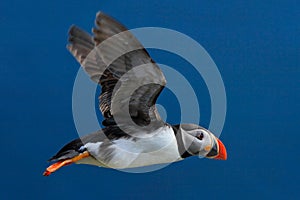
(200, 136)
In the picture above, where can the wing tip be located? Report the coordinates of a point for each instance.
(99, 13)
(72, 28)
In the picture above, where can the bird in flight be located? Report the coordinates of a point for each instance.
(134, 135)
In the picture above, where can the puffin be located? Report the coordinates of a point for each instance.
(133, 134)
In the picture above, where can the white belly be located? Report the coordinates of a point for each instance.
(160, 148)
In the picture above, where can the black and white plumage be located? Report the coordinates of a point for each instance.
(134, 134)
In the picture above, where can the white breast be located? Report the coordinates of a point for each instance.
(160, 148)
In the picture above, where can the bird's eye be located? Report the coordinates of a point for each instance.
(200, 136)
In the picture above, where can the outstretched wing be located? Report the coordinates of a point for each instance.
(129, 78)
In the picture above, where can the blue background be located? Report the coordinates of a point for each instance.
(256, 47)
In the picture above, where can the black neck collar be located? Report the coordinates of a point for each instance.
(182, 151)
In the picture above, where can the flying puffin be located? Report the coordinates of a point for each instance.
(134, 135)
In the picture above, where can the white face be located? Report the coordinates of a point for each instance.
(201, 141)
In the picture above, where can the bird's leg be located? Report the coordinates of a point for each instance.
(54, 167)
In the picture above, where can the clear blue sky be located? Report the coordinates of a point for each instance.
(255, 45)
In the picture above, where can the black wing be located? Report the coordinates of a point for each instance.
(130, 79)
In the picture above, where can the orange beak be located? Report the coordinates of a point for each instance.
(222, 154)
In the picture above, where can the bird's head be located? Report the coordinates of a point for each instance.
(200, 141)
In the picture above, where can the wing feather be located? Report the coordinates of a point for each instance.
(116, 60)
